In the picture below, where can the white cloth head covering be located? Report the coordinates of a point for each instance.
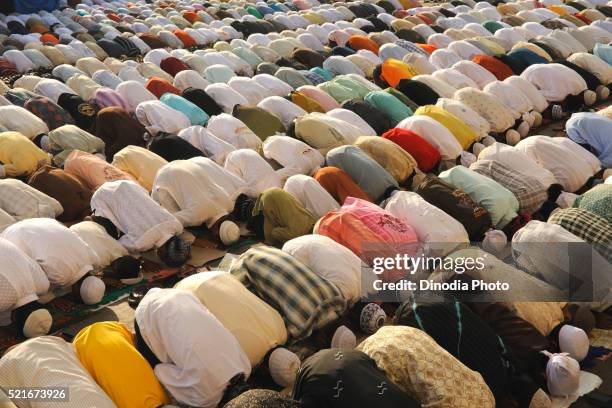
(283, 365)
(190, 79)
(574, 341)
(562, 374)
(225, 96)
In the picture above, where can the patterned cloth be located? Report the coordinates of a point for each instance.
(415, 362)
(586, 225)
(529, 192)
(305, 300)
(51, 113)
(597, 200)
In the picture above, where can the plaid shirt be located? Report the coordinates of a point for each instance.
(305, 300)
(586, 225)
(529, 192)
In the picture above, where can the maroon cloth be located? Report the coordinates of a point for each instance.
(173, 66)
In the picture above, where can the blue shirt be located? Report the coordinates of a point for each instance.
(595, 130)
(34, 6)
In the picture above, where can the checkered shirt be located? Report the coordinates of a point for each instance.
(305, 300)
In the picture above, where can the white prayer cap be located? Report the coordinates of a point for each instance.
(589, 97)
(494, 241)
(513, 137)
(344, 338)
(92, 290)
(562, 374)
(229, 232)
(477, 148)
(467, 158)
(574, 341)
(283, 366)
(488, 140)
(37, 324)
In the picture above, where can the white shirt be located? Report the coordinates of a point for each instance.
(62, 255)
(225, 96)
(50, 361)
(469, 116)
(233, 131)
(19, 59)
(157, 117)
(22, 201)
(517, 160)
(198, 355)
(478, 74)
(127, 205)
(311, 195)
(455, 78)
(282, 108)
(52, 89)
(22, 120)
(538, 100)
(510, 96)
(331, 261)
(559, 160)
(6, 219)
(354, 119)
(250, 89)
(21, 279)
(555, 81)
(435, 133)
(190, 79)
(442, 88)
(106, 248)
(254, 170)
(441, 232)
(131, 74)
(196, 191)
(202, 138)
(134, 93)
(293, 154)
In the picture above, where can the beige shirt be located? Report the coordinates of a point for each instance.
(49, 361)
(426, 371)
(257, 326)
(140, 163)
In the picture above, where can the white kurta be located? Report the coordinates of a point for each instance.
(22, 120)
(157, 117)
(354, 119)
(518, 161)
(311, 195)
(50, 361)
(280, 107)
(21, 279)
(435, 133)
(134, 93)
(233, 131)
(196, 191)
(106, 248)
(555, 81)
(330, 260)
(208, 143)
(559, 160)
(254, 170)
(198, 355)
(60, 252)
(21, 201)
(127, 205)
(441, 232)
(293, 154)
(538, 100)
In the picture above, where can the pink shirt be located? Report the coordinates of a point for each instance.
(321, 97)
(92, 170)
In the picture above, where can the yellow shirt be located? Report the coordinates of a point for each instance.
(19, 155)
(140, 163)
(464, 134)
(256, 325)
(108, 353)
